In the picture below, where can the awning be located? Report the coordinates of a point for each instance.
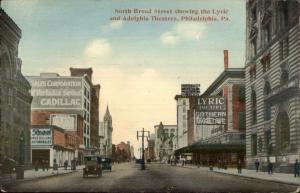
(214, 147)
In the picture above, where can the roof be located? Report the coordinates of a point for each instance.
(228, 73)
(107, 113)
(212, 147)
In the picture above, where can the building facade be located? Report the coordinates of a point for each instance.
(108, 129)
(186, 102)
(64, 101)
(165, 142)
(15, 98)
(272, 83)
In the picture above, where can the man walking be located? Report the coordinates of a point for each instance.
(239, 166)
(256, 165)
(270, 167)
(296, 168)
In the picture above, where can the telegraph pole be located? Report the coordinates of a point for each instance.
(142, 135)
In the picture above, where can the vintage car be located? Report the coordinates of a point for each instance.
(106, 163)
(92, 166)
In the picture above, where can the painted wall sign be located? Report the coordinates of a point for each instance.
(41, 136)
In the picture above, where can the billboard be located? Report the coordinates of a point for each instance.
(64, 121)
(190, 89)
(41, 136)
(211, 110)
(56, 93)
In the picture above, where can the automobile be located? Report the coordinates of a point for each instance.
(106, 164)
(92, 166)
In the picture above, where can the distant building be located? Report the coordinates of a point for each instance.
(272, 83)
(165, 141)
(15, 98)
(186, 102)
(108, 129)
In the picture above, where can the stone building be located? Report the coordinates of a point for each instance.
(95, 95)
(15, 98)
(272, 83)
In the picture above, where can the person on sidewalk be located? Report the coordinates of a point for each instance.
(270, 167)
(239, 166)
(256, 165)
(47, 165)
(43, 165)
(296, 168)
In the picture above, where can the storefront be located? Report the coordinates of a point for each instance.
(48, 144)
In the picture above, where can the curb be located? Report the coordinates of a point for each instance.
(38, 178)
(254, 178)
(249, 177)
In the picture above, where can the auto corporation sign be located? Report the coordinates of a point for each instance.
(56, 93)
(211, 110)
(41, 136)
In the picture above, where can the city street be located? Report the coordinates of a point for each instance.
(127, 177)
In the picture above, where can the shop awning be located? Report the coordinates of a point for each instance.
(214, 147)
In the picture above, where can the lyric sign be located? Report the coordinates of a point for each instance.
(56, 93)
(211, 110)
(41, 136)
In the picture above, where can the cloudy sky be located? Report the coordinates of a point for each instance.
(140, 65)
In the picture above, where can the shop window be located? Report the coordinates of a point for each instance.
(253, 107)
(254, 144)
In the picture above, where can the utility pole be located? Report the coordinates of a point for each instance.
(142, 135)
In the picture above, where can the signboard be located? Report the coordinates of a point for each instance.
(41, 136)
(190, 89)
(64, 121)
(211, 110)
(56, 93)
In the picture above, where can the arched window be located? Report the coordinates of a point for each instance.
(253, 107)
(282, 132)
(267, 112)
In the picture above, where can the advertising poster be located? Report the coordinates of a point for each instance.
(149, 96)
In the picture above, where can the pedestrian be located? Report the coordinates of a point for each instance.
(239, 166)
(270, 167)
(225, 164)
(43, 165)
(36, 165)
(296, 168)
(256, 165)
(47, 165)
(66, 164)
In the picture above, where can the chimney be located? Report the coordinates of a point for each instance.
(225, 59)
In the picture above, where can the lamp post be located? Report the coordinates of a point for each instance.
(142, 135)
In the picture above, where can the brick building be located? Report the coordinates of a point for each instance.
(49, 143)
(225, 141)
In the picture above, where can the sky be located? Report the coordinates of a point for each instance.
(139, 65)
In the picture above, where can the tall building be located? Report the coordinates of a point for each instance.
(186, 103)
(95, 141)
(15, 98)
(108, 129)
(272, 83)
(64, 101)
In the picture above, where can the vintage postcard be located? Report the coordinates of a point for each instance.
(149, 96)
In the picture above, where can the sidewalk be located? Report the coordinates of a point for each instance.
(32, 174)
(275, 177)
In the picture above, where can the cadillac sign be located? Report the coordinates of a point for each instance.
(211, 110)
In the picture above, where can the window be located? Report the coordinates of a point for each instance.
(253, 105)
(254, 144)
(253, 47)
(268, 111)
(284, 48)
(268, 142)
(284, 77)
(241, 93)
(252, 72)
(241, 120)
